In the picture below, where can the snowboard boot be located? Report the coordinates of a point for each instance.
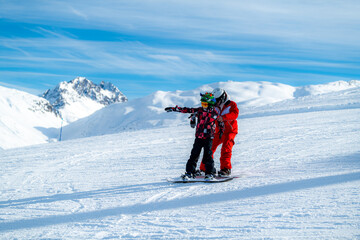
(199, 172)
(209, 177)
(187, 176)
(224, 172)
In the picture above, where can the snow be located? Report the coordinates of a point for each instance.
(24, 120)
(27, 119)
(81, 97)
(148, 112)
(298, 162)
(251, 97)
(326, 88)
(79, 108)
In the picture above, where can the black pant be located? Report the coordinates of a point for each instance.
(208, 160)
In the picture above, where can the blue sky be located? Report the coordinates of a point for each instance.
(145, 46)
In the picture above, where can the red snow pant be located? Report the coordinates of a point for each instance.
(227, 142)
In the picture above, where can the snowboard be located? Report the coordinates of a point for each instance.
(216, 179)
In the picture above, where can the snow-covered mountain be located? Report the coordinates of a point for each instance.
(148, 112)
(25, 119)
(81, 97)
(325, 88)
(252, 98)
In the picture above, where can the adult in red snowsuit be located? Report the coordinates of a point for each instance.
(229, 113)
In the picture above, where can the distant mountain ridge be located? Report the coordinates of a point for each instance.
(27, 119)
(325, 88)
(253, 99)
(81, 97)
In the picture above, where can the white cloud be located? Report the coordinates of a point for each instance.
(319, 21)
(166, 38)
(78, 13)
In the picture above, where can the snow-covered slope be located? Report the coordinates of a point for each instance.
(149, 112)
(344, 99)
(299, 179)
(326, 88)
(252, 98)
(25, 119)
(80, 97)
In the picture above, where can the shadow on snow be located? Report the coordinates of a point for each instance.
(83, 195)
(170, 204)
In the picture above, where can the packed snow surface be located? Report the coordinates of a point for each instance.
(298, 163)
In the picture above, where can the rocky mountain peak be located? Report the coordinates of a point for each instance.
(80, 92)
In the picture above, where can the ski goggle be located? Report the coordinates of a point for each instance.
(204, 104)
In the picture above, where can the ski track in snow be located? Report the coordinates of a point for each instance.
(300, 176)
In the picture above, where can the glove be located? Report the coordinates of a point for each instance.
(169, 109)
(172, 109)
(192, 118)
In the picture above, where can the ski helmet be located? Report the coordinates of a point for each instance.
(220, 95)
(208, 98)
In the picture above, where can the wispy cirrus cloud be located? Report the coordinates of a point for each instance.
(199, 20)
(174, 41)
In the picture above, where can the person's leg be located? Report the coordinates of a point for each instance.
(194, 156)
(226, 151)
(208, 160)
(215, 143)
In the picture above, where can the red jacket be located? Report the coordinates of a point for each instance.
(229, 112)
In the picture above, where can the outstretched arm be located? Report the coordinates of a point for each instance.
(172, 109)
(180, 109)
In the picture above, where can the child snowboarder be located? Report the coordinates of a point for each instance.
(205, 131)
